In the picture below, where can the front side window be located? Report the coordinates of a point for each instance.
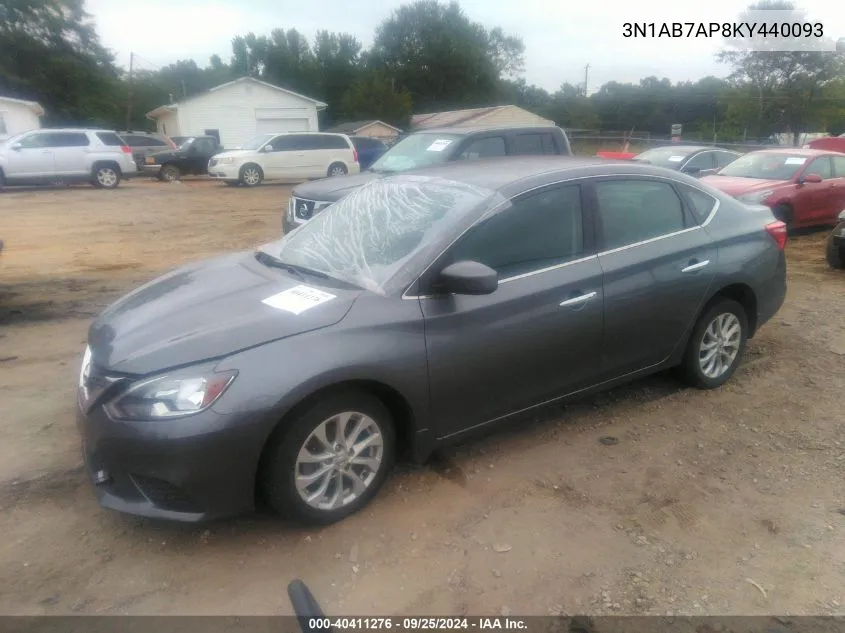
(539, 230)
(34, 141)
(380, 236)
(820, 167)
(254, 143)
(724, 159)
(701, 162)
(632, 211)
(839, 166)
(484, 148)
(68, 139)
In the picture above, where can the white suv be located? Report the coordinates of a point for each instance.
(292, 156)
(67, 155)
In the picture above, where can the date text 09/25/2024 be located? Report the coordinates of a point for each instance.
(736, 30)
(416, 624)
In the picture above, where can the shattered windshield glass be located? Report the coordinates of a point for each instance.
(378, 236)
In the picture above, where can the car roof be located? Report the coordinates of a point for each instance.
(511, 174)
(795, 151)
(477, 129)
(690, 148)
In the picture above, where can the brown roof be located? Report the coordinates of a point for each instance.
(353, 126)
(454, 117)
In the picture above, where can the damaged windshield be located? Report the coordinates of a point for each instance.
(378, 236)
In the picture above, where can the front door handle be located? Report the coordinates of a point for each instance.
(692, 267)
(580, 299)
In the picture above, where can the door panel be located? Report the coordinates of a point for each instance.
(538, 336)
(285, 161)
(33, 159)
(658, 265)
(493, 355)
(70, 153)
(818, 200)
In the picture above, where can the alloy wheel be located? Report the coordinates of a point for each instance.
(339, 460)
(251, 176)
(720, 345)
(107, 177)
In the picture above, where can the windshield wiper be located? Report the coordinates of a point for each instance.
(269, 260)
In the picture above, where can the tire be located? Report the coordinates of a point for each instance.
(729, 312)
(169, 173)
(337, 169)
(835, 254)
(251, 175)
(783, 212)
(280, 465)
(106, 176)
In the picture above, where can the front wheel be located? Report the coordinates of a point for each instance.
(251, 175)
(835, 254)
(106, 177)
(331, 459)
(716, 345)
(169, 173)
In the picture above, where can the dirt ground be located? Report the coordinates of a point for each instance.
(722, 502)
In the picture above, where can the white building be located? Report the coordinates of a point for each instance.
(238, 111)
(17, 115)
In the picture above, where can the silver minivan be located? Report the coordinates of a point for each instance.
(67, 155)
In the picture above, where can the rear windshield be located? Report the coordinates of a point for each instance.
(111, 139)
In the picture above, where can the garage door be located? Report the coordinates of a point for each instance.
(271, 126)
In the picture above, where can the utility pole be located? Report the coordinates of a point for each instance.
(129, 92)
(586, 78)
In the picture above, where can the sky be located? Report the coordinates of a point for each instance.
(560, 38)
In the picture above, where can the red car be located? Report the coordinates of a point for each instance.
(830, 143)
(803, 187)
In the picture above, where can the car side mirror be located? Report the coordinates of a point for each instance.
(468, 278)
(810, 179)
(267, 148)
(15, 146)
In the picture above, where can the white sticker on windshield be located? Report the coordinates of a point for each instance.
(676, 159)
(439, 145)
(795, 160)
(298, 299)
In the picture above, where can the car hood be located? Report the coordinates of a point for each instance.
(235, 153)
(739, 186)
(333, 189)
(165, 154)
(205, 311)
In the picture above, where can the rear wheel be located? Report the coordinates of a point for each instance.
(835, 254)
(716, 345)
(783, 212)
(331, 459)
(337, 169)
(169, 173)
(106, 176)
(251, 175)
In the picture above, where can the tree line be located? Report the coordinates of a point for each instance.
(426, 56)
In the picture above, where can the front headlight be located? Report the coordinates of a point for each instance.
(225, 161)
(170, 396)
(755, 197)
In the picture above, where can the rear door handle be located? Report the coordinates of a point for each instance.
(692, 267)
(580, 299)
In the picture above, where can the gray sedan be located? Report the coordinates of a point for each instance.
(419, 309)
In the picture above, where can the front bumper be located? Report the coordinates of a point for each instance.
(224, 171)
(192, 469)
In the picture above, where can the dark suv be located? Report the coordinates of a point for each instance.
(423, 149)
(191, 157)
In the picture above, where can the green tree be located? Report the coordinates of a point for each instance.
(374, 96)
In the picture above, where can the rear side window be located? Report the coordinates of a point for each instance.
(839, 166)
(484, 148)
(110, 138)
(330, 141)
(820, 167)
(68, 139)
(632, 211)
(701, 204)
(532, 144)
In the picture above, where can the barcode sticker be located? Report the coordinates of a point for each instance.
(298, 299)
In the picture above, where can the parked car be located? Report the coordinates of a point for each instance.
(68, 155)
(143, 144)
(369, 150)
(423, 149)
(836, 244)
(423, 307)
(189, 158)
(804, 187)
(828, 143)
(695, 160)
(290, 156)
(178, 140)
